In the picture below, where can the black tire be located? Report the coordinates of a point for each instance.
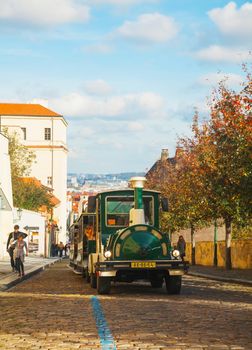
(173, 284)
(103, 285)
(156, 282)
(93, 282)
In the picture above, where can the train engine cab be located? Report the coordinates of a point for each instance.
(129, 245)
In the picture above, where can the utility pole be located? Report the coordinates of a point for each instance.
(215, 243)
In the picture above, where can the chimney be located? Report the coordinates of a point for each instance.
(179, 152)
(164, 155)
(137, 213)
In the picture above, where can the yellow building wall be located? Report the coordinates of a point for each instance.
(241, 253)
(204, 253)
(188, 252)
(221, 253)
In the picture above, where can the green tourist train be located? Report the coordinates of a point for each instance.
(118, 238)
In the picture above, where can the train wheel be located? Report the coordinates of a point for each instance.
(103, 285)
(173, 284)
(93, 282)
(156, 282)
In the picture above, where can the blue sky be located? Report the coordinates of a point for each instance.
(126, 74)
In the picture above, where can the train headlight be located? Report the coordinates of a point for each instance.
(176, 253)
(107, 254)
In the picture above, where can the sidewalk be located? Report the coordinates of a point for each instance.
(221, 274)
(32, 266)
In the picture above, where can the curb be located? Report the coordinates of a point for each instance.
(33, 271)
(222, 279)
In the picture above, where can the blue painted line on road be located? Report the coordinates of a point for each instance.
(106, 338)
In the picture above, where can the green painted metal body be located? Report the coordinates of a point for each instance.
(140, 243)
(138, 197)
(107, 230)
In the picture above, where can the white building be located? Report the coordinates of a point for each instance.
(6, 217)
(43, 132)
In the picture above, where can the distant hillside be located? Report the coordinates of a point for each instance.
(118, 176)
(80, 179)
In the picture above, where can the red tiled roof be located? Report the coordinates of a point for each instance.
(26, 109)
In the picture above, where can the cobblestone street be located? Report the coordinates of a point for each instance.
(53, 310)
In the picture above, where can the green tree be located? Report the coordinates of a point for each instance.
(21, 158)
(30, 196)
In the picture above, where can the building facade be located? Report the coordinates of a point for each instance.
(6, 204)
(43, 132)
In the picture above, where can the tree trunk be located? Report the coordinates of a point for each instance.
(228, 262)
(193, 244)
(215, 244)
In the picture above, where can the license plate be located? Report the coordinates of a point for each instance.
(143, 264)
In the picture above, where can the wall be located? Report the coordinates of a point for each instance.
(241, 253)
(35, 127)
(42, 167)
(201, 235)
(33, 219)
(6, 217)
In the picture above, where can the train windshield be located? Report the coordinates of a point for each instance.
(118, 208)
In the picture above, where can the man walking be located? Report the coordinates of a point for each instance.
(13, 236)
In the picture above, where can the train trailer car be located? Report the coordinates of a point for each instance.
(127, 244)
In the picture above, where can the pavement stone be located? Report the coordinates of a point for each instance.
(240, 276)
(32, 265)
(53, 310)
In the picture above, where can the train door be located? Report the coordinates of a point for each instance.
(89, 231)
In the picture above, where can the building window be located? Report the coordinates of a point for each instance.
(47, 134)
(24, 133)
(49, 180)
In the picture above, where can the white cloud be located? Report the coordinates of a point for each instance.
(233, 21)
(122, 2)
(86, 132)
(217, 53)
(41, 101)
(43, 12)
(135, 126)
(97, 87)
(99, 48)
(73, 153)
(128, 105)
(150, 101)
(105, 141)
(213, 79)
(20, 53)
(149, 27)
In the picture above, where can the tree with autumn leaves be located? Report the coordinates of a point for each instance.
(223, 149)
(213, 176)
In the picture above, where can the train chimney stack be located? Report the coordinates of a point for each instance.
(137, 213)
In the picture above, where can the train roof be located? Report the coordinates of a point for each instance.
(126, 190)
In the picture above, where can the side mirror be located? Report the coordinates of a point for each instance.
(165, 204)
